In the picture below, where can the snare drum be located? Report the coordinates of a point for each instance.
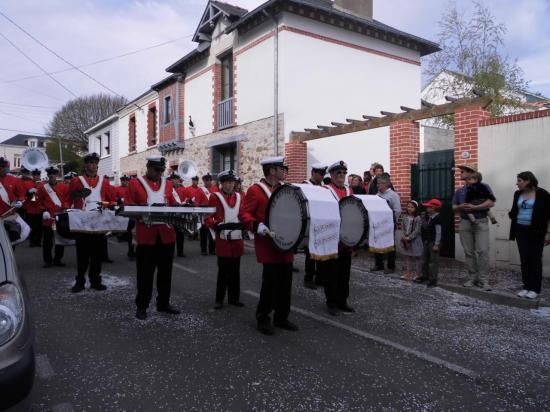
(354, 227)
(304, 216)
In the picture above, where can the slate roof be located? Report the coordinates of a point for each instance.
(21, 140)
(230, 8)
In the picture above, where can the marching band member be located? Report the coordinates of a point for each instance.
(229, 241)
(89, 246)
(336, 272)
(197, 197)
(180, 195)
(11, 189)
(277, 266)
(155, 242)
(31, 205)
(53, 199)
(121, 197)
(205, 236)
(239, 188)
(317, 174)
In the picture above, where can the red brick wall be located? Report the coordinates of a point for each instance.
(515, 117)
(296, 159)
(167, 132)
(467, 121)
(404, 148)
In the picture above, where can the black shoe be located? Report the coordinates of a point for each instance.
(295, 269)
(59, 263)
(376, 269)
(99, 286)
(432, 284)
(421, 279)
(310, 284)
(287, 325)
(346, 308)
(204, 254)
(47, 265)
(78, 287)
(181, 255)
(107, 260)
(218, 305)
(332, 311)
(168, 309)
(131, 258)
(389, 271)
(212, 252)
(141, 314)
(266, 328)
(237, 304)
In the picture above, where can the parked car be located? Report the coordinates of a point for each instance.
(16, 333)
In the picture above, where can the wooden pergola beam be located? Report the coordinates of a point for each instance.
(413, 115)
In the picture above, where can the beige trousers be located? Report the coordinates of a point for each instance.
(475, 242)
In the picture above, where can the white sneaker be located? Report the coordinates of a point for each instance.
(531, 295)
(522, 293)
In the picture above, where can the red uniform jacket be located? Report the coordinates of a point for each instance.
(121, 192)
(46, 202)
(254, 212)
(224, 248)
(106, 192)
(30, 207)
(14, 189)
(341, 192)
(196, 195)
(147, 235)
(182, 193)
(213, 188)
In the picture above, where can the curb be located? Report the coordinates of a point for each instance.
(495, 297)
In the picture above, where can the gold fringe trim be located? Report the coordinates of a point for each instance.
(323, 258)
(382, 250)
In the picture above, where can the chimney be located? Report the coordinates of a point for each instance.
(359, 8)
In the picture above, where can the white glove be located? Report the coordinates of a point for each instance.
(262, 230)
(18, 204)
(46, 215)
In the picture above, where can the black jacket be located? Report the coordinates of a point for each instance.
(541, 213)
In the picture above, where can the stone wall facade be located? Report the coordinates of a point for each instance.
(134, 164)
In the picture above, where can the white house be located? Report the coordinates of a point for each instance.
(103, 139)
(12, 148)
(287, 65)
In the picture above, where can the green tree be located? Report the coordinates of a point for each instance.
(473, 48)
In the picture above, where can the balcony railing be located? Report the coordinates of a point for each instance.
(225, 114)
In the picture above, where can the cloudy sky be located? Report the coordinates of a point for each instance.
(95, 34)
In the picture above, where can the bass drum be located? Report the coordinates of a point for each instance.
(354, 226)
(288, 217)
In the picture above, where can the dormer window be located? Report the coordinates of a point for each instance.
(32, 142)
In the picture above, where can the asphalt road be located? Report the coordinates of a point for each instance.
(406, 348)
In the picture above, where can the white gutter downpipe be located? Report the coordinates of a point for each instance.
(177, 117)
(275, 85)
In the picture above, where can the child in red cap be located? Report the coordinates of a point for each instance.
(431, 239)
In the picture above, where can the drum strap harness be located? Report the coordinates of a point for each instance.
(91, 201)
(231, 215)
(266, 189)
(4, 194)
(154, 196)
(176, 196)
(52, 194)
(206, 192)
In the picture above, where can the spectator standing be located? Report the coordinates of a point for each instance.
(474, 237)
(378, 170)
(367, 177)
(394, 201)
(411, 241)
(431, 240)
(357, 185)
(530, 228)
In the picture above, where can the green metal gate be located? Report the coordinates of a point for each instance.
(433, 177)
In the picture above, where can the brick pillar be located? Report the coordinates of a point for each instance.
(216, 94)
(404, 148)
(466, 137)
(296, 159)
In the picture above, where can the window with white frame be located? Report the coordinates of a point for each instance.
(16, 161)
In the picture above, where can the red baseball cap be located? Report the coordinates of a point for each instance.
(435, 203)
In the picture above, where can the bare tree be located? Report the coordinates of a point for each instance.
(473, 49)
(70, 122)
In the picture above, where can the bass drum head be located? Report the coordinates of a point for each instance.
(354, 223)
(287, 217)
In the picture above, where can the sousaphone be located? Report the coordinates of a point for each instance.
(187, 170)
(34, 158)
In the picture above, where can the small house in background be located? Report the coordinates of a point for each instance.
(12, 148)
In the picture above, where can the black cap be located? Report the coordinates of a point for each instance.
(227, 175)
(174, 176)
(91, 157)
(156, 161)
(52, 170)
(195, 178)
(36, 172)
(24, 170)
(124, 177)
(207, 176)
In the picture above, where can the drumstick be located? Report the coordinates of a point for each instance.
(7, 212)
